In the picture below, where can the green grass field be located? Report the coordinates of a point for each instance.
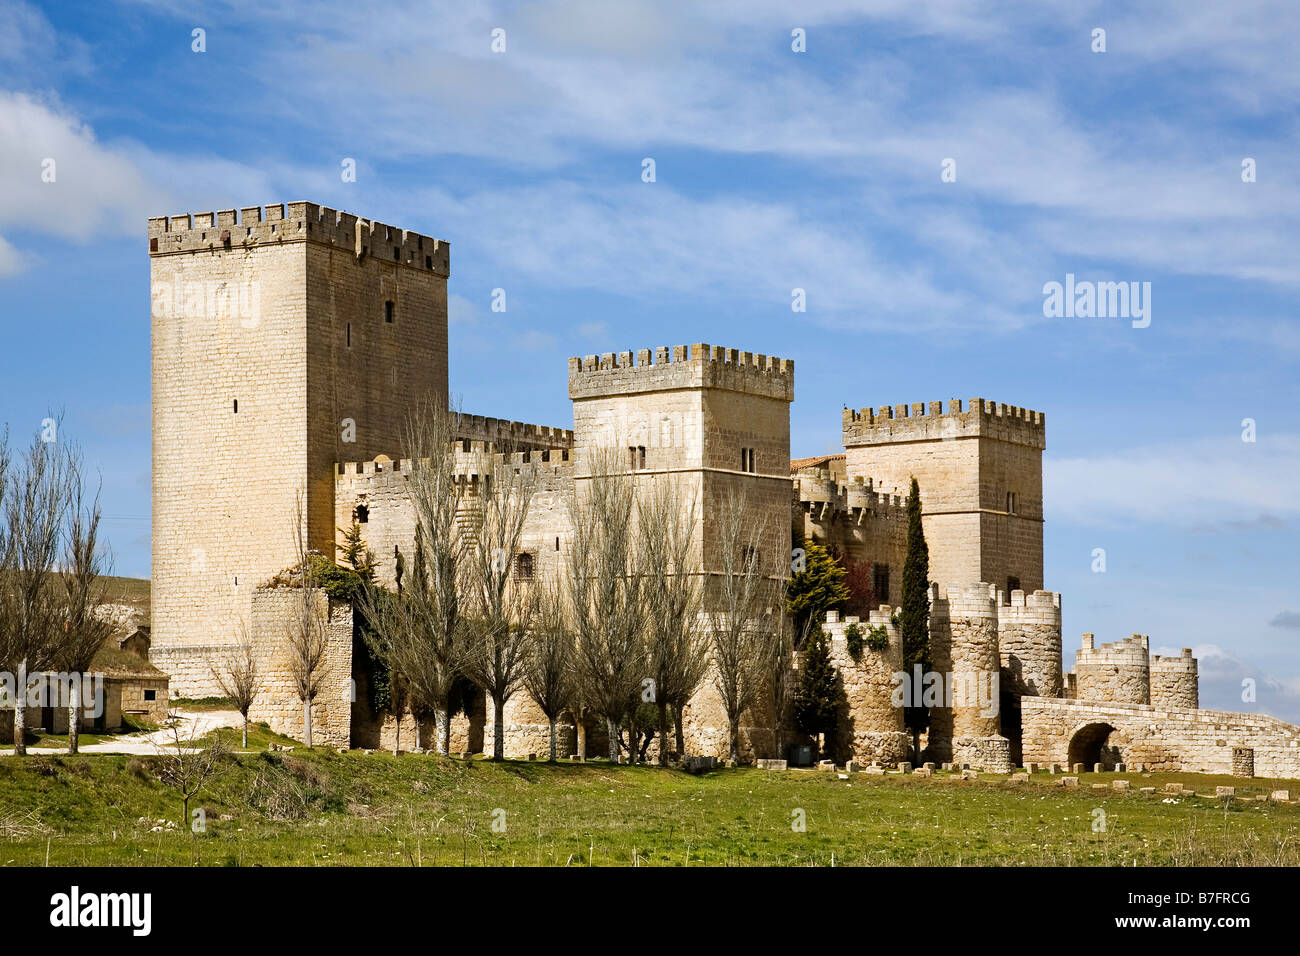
(326, 808)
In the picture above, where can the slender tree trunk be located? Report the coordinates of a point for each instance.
(552, 720)
(663, 733)
(677, 726)
(733, 731)
(499, 730)
(582, 737)
(419, 735)
(306, 723)
(20, 712)
(613, 739)
(74, 719)
(397, 733)
(245, 730)
(443, 720)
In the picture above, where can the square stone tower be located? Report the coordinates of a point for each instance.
(718, 419)
(980, 471)
(283, 341)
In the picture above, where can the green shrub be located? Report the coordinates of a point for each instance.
(877, 638)
(853, 637)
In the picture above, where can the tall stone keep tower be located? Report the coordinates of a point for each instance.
(716, 419)
(717, 422)
(284, 341)
(980, 471)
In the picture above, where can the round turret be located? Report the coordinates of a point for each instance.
(1118, 673)
(1175, 681)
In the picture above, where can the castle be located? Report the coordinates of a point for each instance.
(287, 345)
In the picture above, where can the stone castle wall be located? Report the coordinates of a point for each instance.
(966, 460)
(273, 357)
(1159, 738)
(871, 728)
(867, 527)
(277, 702)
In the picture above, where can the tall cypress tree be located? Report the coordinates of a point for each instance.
(914, 616)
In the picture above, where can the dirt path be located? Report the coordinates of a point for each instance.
(193, 723)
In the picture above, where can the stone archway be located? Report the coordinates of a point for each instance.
(1091, 745)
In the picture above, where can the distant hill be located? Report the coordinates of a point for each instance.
(129, 593)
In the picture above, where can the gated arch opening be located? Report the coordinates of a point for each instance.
(1091, 745)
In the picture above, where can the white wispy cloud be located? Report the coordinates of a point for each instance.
(1201, 484)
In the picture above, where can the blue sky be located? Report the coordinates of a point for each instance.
(775, 170)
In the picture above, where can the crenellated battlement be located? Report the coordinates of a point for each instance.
(253, 226)
(681, 367)
(963, 600)
(473, 458)
(1032, 602)
(824, 498)
(1133, 647)
(1182, 661)
(977, 418)
(517, 434)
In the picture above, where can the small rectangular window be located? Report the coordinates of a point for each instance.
(151, 695)
(236, 406)
(880, 582)
(349, 335)
(388, 311)
(1013, 584)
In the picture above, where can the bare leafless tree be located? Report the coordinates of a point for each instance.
(501, 601)
(305, 629)
(548, 670)
(428, 630)
(85, 563)
(743, 601)
(187, 761)
(677, 639)
(237, 674)
(781, 683)
(605, 592)
(31, 614)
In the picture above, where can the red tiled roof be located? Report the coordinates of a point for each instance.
(797, 463)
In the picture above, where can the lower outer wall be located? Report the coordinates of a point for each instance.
(1159, 738)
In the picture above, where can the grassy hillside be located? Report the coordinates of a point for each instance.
(322, 807)
(127, 591)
